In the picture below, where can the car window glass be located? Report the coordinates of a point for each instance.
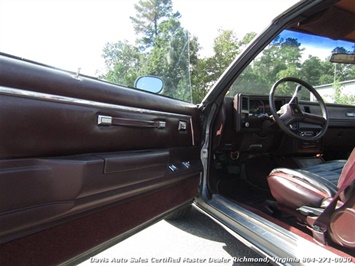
(304, 56)
(118, 41)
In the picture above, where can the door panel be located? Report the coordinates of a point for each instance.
(83, 161)
(66, 240)
(46, 124)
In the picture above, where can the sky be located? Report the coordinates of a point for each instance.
(71, 34)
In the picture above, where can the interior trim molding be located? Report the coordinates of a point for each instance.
(69, 100)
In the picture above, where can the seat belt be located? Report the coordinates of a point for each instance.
(321, 224)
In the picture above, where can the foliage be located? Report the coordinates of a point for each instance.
(207, 70)
(123, 62)
(199, 80)
(280, 59)
(283, 58)
(169, 60)
(339, 97)
(164, 48)
(151, 14)
(225, 48)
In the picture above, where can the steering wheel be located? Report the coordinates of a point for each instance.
(291, 113)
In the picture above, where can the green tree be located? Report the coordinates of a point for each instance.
(150, 14)
(162, 49)
(249, 82)
(169, 59)
(123, 62)
(311, 70)
(247, 39)
(165, 44)
(327, 69)
(226, 47)
(341, 50)
(339, 97)
(198, 74)
(282, 58)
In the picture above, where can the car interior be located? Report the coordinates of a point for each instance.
(282, 157)
(87, 163)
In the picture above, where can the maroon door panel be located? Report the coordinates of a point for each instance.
(78, 156)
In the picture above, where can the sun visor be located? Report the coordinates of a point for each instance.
(334, 23)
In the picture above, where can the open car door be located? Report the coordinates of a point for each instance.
(85, 163)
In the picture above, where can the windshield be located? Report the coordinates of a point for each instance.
(304, 56)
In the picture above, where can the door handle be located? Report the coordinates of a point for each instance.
(104, 120)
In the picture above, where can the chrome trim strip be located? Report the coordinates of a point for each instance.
(230, 231)
(272, 239)
(70, 100)
(104, 120)
(192, 132)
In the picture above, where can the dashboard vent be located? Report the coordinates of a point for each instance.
(245, 104)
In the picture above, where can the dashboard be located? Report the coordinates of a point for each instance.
(247, 127)
(250, 110)
(261, 107)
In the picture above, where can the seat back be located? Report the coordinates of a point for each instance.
(346, 177)
(342, 220)
(342, 224)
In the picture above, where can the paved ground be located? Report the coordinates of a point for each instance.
(194, 240)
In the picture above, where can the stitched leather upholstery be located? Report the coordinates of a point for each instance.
(308, 186)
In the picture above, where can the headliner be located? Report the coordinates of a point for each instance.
(336, 22)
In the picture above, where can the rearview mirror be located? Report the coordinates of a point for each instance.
(149, 83)
(343, 58)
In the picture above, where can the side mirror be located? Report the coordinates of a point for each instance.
(149, 83)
